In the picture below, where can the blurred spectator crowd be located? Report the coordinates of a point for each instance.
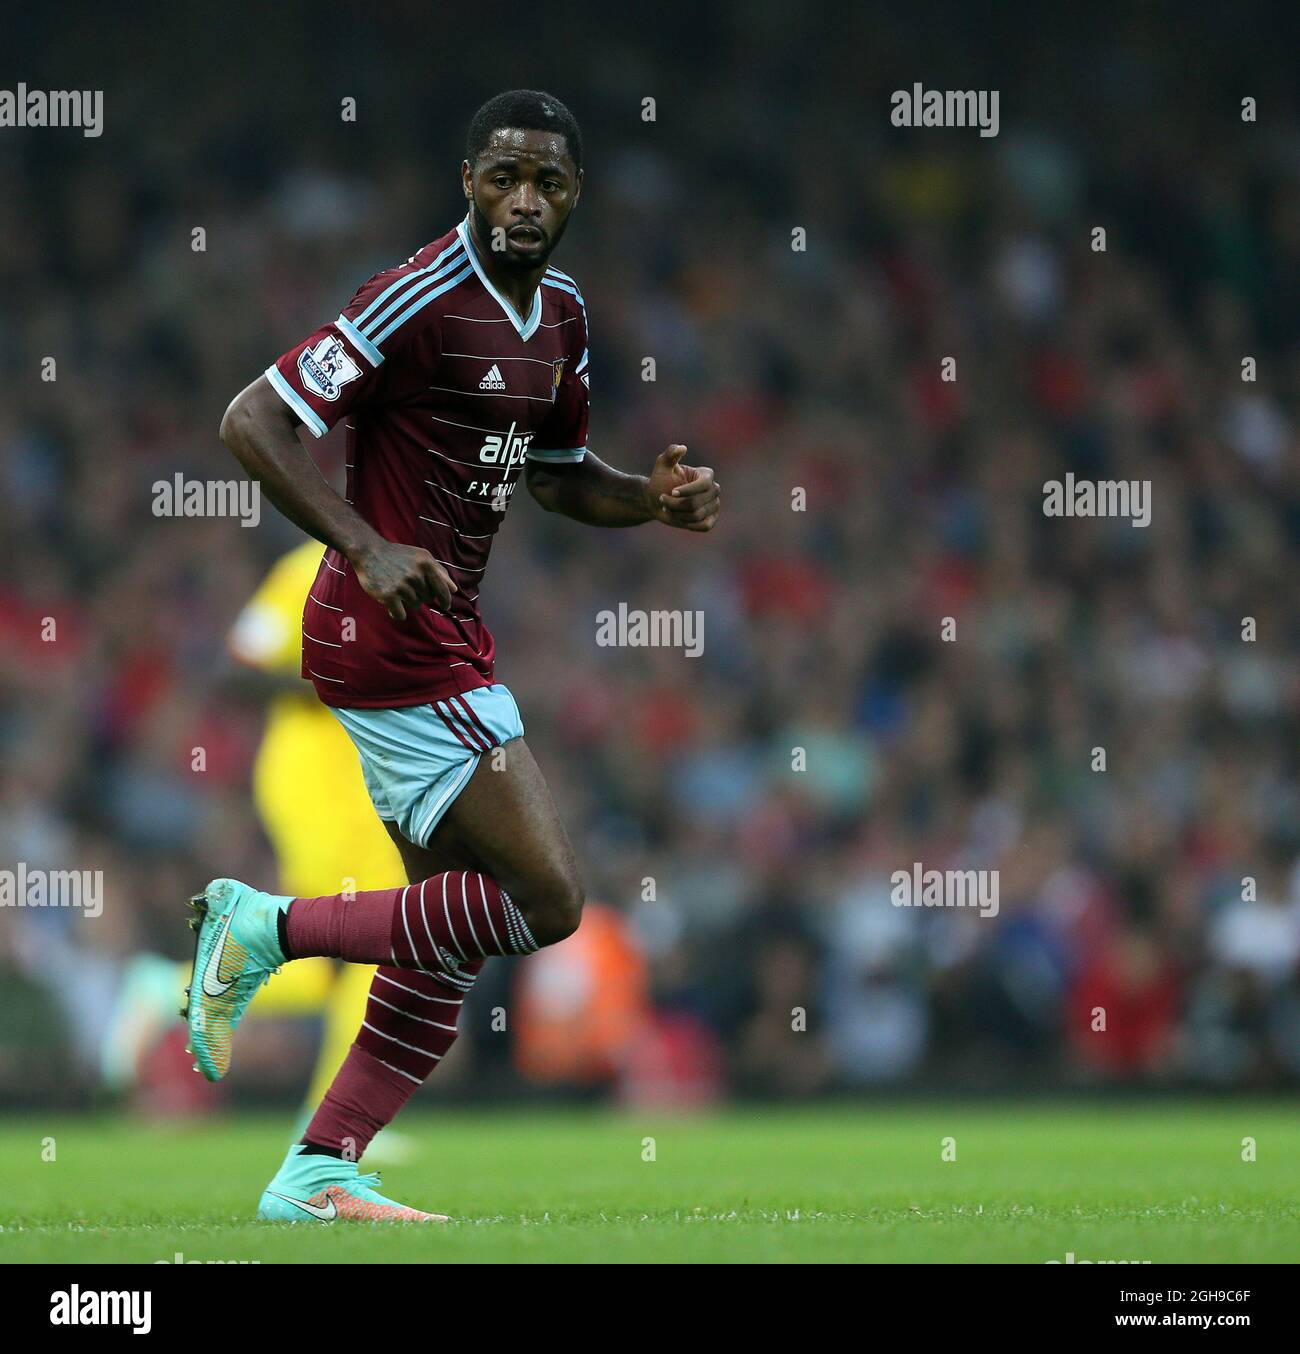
(750, 899)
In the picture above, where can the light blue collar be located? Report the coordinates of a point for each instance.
(524, 328)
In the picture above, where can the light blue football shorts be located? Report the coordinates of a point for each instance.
(417, 758)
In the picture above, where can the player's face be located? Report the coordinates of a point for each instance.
(521, 192)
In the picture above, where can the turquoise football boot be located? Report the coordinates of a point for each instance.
(236, 950)
(316, 1188)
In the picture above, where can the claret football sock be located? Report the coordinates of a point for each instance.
(411, 1022)
(439, 925)
(431, 940)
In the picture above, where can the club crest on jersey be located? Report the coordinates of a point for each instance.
(557, 372)
(505, 449)
(326, 368)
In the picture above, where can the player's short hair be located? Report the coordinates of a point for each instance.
(532, 109)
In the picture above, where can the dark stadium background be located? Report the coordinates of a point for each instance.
(781, 369)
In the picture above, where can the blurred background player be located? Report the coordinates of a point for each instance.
(305, 776)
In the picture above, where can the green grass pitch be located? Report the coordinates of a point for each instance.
(1030, 1183)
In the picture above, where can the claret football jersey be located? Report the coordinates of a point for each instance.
(445, 391)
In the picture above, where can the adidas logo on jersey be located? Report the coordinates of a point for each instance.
(493, 380)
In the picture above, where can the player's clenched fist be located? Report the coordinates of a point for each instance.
(402, 577)
(683, 495)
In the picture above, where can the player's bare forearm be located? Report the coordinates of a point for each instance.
(259, 430)
(591, 492)
(261, 433)
(596, 494)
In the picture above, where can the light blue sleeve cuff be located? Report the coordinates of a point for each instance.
(543, 454)
(295, 402)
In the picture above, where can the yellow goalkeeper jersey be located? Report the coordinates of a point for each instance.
(306, 779)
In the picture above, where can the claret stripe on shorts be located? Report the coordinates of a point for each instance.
(463, 704)
(465, 724)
